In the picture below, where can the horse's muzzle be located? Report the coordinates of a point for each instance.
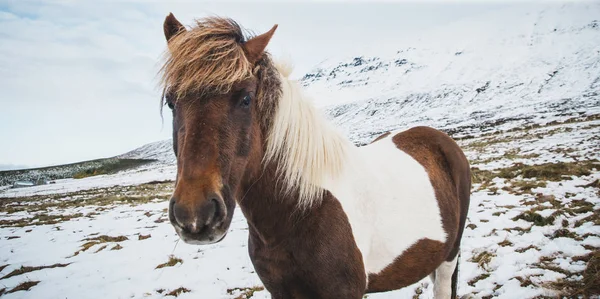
(199, 223)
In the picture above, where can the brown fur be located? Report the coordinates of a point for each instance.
(220, 147)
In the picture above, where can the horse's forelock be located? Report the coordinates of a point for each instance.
(209, 57)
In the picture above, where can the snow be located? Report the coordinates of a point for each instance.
(515, 118)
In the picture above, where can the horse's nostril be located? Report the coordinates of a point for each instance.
(219, 209)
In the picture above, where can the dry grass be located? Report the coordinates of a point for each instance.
(172, 262)
(542, 172)
(483, 259)
(473, 281)
(535, 218)
(38, 219)
(581, 284)
(505, 243)
(99, 240)
(550, 171)
(246, 293)
(178, 291)
(27, 269)
(102, 197)
(144, 237)
(24, 286)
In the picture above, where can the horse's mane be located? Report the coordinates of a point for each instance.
(308, 151)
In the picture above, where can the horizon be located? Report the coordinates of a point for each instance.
(92, 92)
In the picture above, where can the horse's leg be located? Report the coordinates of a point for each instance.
(444, 286)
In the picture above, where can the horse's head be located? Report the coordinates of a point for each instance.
(215, 84)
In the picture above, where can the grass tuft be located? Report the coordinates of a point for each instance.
(178, 291)
(473, 281)
(535, 218)
(24, 286)
(144, 237)
(172, 262)
(483, 259)
(246, 293)
(27, 269)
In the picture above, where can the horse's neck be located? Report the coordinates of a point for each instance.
(270, 212)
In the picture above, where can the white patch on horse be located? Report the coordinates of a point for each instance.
(389, 201)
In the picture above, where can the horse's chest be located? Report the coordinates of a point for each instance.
(390, 204)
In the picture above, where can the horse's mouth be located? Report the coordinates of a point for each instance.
(205, 237)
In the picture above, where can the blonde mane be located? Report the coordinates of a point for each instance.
(206, 58)
(309, 152)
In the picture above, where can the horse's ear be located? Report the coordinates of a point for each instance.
(255, 47)
(172, 27)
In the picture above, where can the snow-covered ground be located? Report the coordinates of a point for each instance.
(532, 136)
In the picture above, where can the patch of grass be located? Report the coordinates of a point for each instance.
(521, 250)
(580, 207)
(111, 166)
(523, 186)
(178, 291)
(525, 281)
(246, 293)
(505, 243)
(99, 240)
(473, 281)
(480, 176)
(594, 218)
(3, 266)
(172, 262)
(117, 247)
(24, 286)
(594, 184)
(144, 237)
(483, 259)
(101, 248)
(586, 283)
(27, 269)
(565, 233)
(38, 219)
(535, 218)
(102, 197)
(550, 171)
(471, 226)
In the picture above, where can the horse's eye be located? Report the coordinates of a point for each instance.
(170, 105)
(246, 101)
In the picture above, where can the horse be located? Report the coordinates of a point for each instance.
(326, 219)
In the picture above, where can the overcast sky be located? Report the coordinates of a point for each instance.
(78, 78)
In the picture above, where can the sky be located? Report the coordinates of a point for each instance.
(79, 78)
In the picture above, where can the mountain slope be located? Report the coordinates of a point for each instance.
(534, 68)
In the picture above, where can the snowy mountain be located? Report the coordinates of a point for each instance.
(523, 65)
